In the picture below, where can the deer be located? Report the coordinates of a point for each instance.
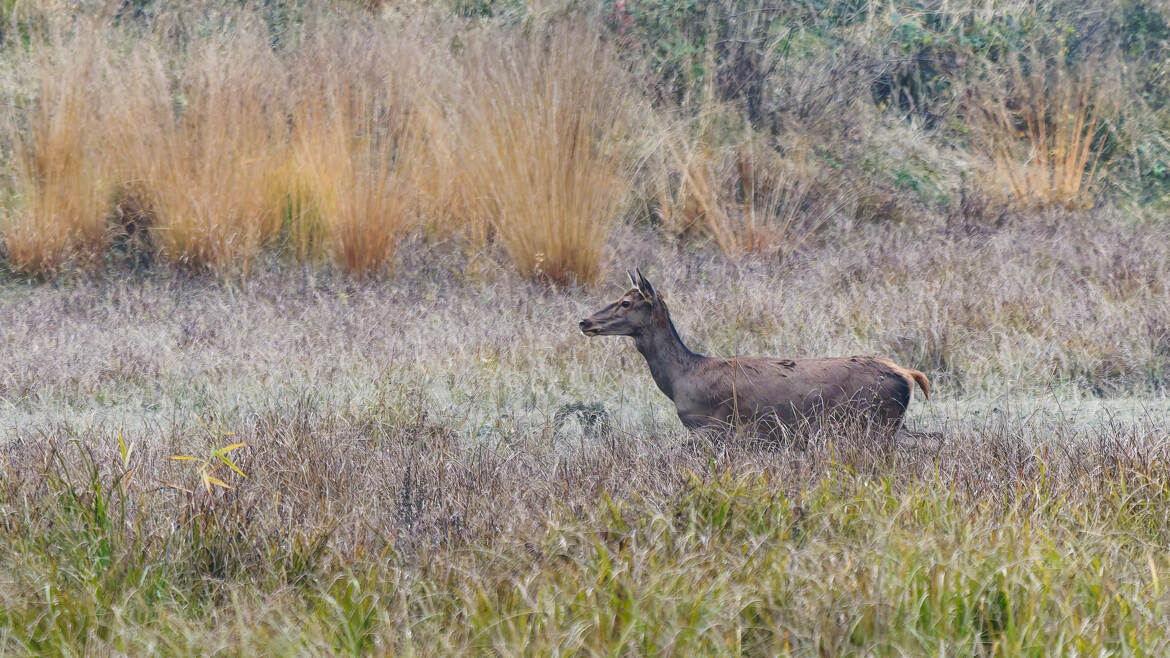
(777, 396)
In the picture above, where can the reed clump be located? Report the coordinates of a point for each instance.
(207, 161)
(355, 142)
(62, 173)
(543, 130)
(1043, 125)
(746, 196)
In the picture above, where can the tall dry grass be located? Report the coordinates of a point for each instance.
(518, 135)
(207, 161)
(543, 136)
(747, 197)
(64, 178)
(333, 147)
(355, 142)
(1042, 128)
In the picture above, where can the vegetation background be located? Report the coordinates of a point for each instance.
(288, 294)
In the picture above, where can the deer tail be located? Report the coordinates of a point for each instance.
(923, 382)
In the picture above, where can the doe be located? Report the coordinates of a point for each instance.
(774, 395)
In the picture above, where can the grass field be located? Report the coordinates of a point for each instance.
(289, 360)
(440, 463)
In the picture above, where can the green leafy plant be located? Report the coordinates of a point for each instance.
(205, 467)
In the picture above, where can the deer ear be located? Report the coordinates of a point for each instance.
(633, 279)
(645, 287)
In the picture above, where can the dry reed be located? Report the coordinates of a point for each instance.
(63, 177)
(543, 135)
(1042, 130)
(224, 148)
(207, 167)
(748, 198)
(354, 137)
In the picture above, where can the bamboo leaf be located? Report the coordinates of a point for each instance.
(217, 482)
(231, 465)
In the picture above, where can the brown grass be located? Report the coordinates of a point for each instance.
(207, 165)
(335, 147)
(748, 198)
(1042, 131)
(355, 141)
(543, 139)
(64, 178)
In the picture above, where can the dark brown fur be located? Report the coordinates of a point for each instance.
(774, 395)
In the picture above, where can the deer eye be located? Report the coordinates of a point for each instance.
(626, 304)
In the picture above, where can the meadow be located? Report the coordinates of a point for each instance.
(289, 362)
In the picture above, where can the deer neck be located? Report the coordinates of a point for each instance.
(668, 358)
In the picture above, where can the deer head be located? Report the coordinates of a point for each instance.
(630, 315)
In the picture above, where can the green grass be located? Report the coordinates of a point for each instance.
(731, 553)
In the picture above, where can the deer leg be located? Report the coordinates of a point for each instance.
(704, 430)
(705, 426)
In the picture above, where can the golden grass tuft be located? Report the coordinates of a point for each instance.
(206, 166)
(748, 198)
(351, 168)
(543, 136)
(63, 178)
(438, 174)
(1042, 128)
(354, 144)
